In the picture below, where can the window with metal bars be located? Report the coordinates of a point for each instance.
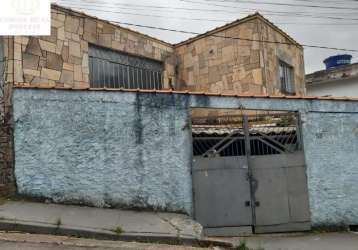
(113, 69)
(287, 78)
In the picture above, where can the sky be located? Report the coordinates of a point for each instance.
(330, 23)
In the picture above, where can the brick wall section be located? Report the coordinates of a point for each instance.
(216, 64)
(62, 59)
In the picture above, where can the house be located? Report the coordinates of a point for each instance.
(341, 79)
(101, 115)
(84, 52)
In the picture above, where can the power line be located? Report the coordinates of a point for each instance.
(210, 20)
(234, 38)
(280, 4)
(227, 37)
(198, 9)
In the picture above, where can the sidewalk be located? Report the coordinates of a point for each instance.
(112, 224)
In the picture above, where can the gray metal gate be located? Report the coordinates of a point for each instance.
(251, 176)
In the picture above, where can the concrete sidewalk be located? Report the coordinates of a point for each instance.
(98, 223)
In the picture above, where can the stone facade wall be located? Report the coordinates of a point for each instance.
(61, 59)
(217, 64)
(272, 53)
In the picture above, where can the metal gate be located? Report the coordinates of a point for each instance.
(250, 176)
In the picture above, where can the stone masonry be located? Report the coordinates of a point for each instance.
(61, 60)
(218, 64)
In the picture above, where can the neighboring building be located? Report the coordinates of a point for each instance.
(337, 80)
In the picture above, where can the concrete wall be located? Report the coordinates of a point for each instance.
(135, 150)
(104, 149)
(61, 59)
(339, 87)
(217, 64)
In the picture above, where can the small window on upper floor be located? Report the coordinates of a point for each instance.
(287, 78)
(113, 69)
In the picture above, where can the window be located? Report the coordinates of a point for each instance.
(112, 69)
(287, 78)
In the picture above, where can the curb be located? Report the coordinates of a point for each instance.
(41, 228)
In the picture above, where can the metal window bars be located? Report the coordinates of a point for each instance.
(112, 69)
(268, 134)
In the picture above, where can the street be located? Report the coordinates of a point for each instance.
(19, 241)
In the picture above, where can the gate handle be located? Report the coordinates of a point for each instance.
(257, 203)
(247, 203)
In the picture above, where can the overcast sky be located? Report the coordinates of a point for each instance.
(331, 27)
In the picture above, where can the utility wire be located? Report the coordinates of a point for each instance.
(277, 4)
(197, 9)
(203, 19)
(224, 37)
(235, 38)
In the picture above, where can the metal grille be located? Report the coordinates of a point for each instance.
(287, 78)
(269, 135)
(112, 69)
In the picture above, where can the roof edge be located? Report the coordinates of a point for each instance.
(70, 10)
(248, 18)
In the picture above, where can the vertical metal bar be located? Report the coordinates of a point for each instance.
(249, 167)
(128, 79)
(141, 78)
(298, 131)
(137, 78)
(150, 79)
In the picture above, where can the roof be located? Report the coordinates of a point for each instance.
(343, 72)
(248, 18)
(170, 91)
(208, 33)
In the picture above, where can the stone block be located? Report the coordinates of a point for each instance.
(85, 61)
(32, 72)
(72, 24)
(18, 72)
(84, 46)
(75, 60)
(28, 78)
(54, 61)
(59, 47)
(90, 25)
(47, 46)
(50, 74)
(74, 48)
(33, 47)
(77, 73)
(75, 37)
(67, 77)
(65, 53)
(30, 61)
(108, 28)
(17, 51)
(56, 23)
(105, 40)
(68, 66)
(90, 37)
(61, 33)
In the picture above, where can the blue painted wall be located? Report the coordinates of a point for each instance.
(103, 149)
(130, 149)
